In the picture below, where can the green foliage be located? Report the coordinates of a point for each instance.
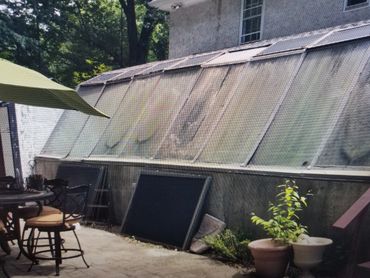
(72, 41)
(284, 222)
(229, 246)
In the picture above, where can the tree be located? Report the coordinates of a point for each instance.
(139, 40)
(72, 40)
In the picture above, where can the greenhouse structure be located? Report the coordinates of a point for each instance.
(295, 107)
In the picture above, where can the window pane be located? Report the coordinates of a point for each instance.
(130, 109)
(349, 145)
(155, 119)
(95, 126)
(70, 125)
(192, 124)
(309, 109)
(245, 118)
(355, 2)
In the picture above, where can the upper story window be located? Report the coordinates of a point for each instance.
(356, 3)
(251, 20)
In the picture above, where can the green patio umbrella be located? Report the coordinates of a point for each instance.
(22, 85)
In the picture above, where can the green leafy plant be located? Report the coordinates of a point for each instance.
(229, 246)
(284, 223)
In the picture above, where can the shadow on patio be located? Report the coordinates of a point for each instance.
(111, 255)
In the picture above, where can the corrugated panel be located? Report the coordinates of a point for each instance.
(131, 72)
(132, 106)
(289, 45)
(161, 66)
(162, 106)
(310, 107)
(346, 35)
(234, 57)
(70, 125)
(196, 60)
(186, 137)
(263, 84)
(100, 79)
(349, 144)
(95, 126)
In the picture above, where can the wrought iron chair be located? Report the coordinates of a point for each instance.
(3, 241)
(73, 206)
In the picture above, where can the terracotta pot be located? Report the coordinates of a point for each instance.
(270, 257)
(308, 253)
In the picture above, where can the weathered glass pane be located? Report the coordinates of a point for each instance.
(349, 145)
(192, 124)
(70, 125)
(163, 105)
(263, 84)
(309, 110)
(95, 126)
(113, 139)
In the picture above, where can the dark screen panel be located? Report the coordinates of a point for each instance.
(165, 208)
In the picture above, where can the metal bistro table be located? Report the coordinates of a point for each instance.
(10, 200)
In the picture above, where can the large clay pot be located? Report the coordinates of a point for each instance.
(270, 257)
(308, 252)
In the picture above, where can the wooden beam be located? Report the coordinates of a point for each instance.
(365, 265)
(354, 211)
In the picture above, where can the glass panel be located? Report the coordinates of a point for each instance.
(355, 2)
(162, 106)
(95, 126)
(128, 112)
(350, 142)
(70, 125)
(187, 135)
(346, 35)
(263, 84)
(310, 107)
(291, 44)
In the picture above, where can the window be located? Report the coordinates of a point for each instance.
(251, 20)
(356, 3)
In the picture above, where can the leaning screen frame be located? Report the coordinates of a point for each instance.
(195, 220)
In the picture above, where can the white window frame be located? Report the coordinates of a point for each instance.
(356, 6)
(241, 35)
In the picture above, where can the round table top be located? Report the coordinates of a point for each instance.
(16, 197)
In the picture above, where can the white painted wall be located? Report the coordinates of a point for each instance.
(34, 127)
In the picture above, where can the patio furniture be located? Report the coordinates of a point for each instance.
(3, 241)
(73, 205)
(10, 200)
(22, 85)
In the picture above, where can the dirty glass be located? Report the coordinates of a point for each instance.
(95, 126)
(162, 106)
(349, 144)
(186, 135)
(263, 84)
(128, 112)
(309, 109)
(70, 125)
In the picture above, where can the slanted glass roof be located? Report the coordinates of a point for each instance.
(310, 108)
(95, 126)
(70, 125)
(292, 110)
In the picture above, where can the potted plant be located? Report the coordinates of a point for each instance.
(308, 252)
(271, 255)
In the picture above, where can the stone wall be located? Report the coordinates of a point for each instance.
(215, 24)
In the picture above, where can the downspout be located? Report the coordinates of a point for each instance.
(13, 129)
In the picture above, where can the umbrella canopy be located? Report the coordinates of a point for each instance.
(21, 85)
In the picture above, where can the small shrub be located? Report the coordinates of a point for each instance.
(229, 246)
(284, 223)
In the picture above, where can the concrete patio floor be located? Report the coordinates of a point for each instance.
(111, 255)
